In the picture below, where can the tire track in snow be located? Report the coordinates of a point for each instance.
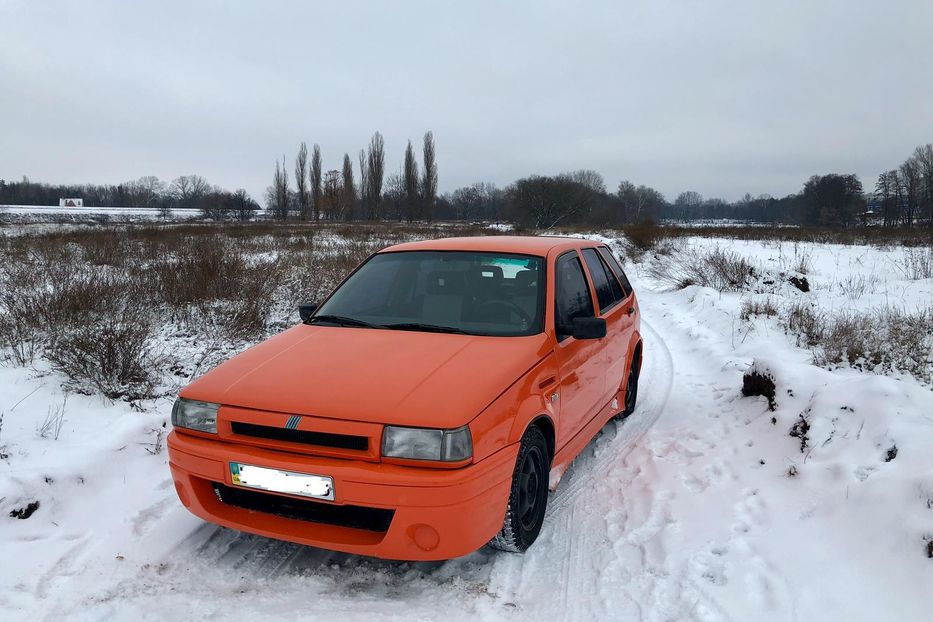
(565, 549)
(655, 386)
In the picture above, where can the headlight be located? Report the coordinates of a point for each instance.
(200, 416)
(427, 444)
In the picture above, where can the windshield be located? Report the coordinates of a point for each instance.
(477, 293)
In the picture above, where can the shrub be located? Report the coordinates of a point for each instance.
(110, 352)
(805, 321)
(642, 237)
(916, 263)
(885, 340)
(718, 269)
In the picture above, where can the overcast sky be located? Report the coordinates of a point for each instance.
(719, 97)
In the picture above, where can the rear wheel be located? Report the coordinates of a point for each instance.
(631, 391)
(528, 497)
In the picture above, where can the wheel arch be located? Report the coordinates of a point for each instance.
(546, 425)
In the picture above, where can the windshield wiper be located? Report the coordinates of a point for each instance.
(428, 328)
(341, 321)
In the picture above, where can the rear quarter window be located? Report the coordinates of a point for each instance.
(608, 290)
(616, 269)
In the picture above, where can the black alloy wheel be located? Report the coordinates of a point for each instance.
(528, 497)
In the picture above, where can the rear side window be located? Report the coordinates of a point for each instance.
(608, 290)
(616, 269)
(572, 296)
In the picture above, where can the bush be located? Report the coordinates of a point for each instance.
(642, 237)
(718, 269)
(917, 263)
(111, 353)
(886, 339)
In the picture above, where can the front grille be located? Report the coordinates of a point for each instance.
(354, 516)
(321, 439)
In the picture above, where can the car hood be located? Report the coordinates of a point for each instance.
(382, 376)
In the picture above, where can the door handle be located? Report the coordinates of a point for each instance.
(631, 310)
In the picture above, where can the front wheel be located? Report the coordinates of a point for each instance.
(528, 497)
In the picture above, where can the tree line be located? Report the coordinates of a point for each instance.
(902, 196)
(184, 192)
(336, 195)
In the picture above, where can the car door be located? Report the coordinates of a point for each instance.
(582, 382)
(619, 315)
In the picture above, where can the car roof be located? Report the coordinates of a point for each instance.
(522, 244)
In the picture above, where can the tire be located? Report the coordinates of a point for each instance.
(528, 496)
(631, 392)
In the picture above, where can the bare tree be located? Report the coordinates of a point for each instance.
(589, 178)
(924, 158)
(375, 159)
(883, 194)
(429, 182)
(243, 205)
(330, 198)
(302, 195)
(640, 203)
(277, 194)
(188, 189)
(688, 203)
(482, 200)
(544, 202)
(348, 192)
(410, 174)
(890, 191)
(316, 181)
(911, 180)
(395, 194)
(151, 188)
(365, 208)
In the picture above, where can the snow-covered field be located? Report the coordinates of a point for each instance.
(701, 506)
(79, 213)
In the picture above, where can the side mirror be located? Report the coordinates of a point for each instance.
(306, 310)
(589, 328)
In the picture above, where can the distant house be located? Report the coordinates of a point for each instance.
(71, 202)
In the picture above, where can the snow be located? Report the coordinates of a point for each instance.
(85, 210)
(701, 506)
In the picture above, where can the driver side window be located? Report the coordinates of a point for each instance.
(572, 297)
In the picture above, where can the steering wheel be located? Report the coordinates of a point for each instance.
(508, 305)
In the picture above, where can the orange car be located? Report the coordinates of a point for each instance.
(419, 411)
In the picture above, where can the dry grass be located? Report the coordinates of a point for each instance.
(870, 236)
(716, 268)
(883, 340)
(97, 302)
(916, 263)
(641, 238)
(752, 308)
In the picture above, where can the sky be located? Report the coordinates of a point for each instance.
(718, 97)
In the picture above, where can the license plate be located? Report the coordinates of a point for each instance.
(277, 480)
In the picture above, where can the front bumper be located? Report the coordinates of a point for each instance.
(439, 513)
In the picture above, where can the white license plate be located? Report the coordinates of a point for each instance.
(288, 482)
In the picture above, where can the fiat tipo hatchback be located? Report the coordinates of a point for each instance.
(423, 409)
